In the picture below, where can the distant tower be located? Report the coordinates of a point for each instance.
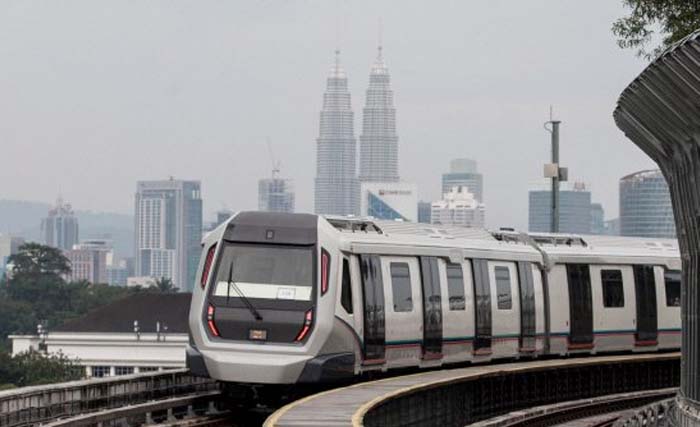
(168, 219)
(60, 228)
(379, 142)
(645, 206)
(463, 172)
(337, 190)
(275, 194)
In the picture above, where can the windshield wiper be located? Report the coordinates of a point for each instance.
(245, 299)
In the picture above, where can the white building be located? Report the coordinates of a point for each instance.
(389, 200)
(458, 207)
(140, 333)
(142, 281)
(89, 260)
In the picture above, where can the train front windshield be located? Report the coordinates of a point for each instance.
(265, 272)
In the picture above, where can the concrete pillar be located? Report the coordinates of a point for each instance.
(660, 112)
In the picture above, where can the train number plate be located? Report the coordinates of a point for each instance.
(257, 334)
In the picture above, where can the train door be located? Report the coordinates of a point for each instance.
(404, 311)
(669, 306)
(483, 326)
(373, 309)
(580, 306)
(645, 292)
(613, 307)
(432, 308)
(505, 308)
(528, 320)
(457, 310)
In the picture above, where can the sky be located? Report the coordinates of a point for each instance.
(97, 95)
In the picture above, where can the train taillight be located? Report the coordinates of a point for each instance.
(210, 321)
(207, 265)
(308, 320)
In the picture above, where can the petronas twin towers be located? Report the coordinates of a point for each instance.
(337, 186)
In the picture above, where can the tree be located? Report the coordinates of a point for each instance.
(165, 285)
(36, 260)
(34, 368)
(671, 19)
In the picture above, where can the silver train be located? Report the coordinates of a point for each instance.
(299, 298)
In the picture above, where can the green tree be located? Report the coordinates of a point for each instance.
(36, 260)
(671, 20)
(165, 285)
(34, 368)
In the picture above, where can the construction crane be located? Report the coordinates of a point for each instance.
(275, 164)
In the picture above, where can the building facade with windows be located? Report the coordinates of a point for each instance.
(463, 172)
(597, 219)
(424, 211)
(458, 207)
(168, 217)
(389, 200)
(9, 245)
(140, 333)
(276, 195)
(336, 188)
(60, 228)
(574, 209)
(88, 261)
(645, 206)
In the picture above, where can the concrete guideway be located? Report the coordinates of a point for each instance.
(443, 397)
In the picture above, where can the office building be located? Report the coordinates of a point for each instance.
(276, 195)
(88, 261)
(60, 228)
(597, 219)
(336, 189)
(379, 158)
(168, 217)
(389, 200)
(118, 273)
(9, 245)
(424, 212)
(463, 172)
(645, 206)
(458, 207)
(574, 209)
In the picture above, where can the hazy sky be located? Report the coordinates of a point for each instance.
(97, 95)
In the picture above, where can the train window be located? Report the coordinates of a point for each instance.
(401, 287)
(613, 293)
(455, 286)
(505, 301)
(346, 290)
(672, 279)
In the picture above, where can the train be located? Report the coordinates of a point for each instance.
(291, 299)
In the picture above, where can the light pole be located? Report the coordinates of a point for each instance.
(555, 172)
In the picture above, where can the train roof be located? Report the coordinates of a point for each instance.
(372, 235)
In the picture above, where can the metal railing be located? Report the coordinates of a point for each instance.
(39, 404)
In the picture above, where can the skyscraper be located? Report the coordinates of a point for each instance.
(574, 209)
(60, 228)
(597, 219)
(379, 157)
(168, 230)
(645, 206)
(275, 195)
(463, 173)
(458, 207)
(337, 190)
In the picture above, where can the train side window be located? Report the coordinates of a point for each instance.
(401, 287)
(505, 299)
(346, 289)
(613, 293)
(455, 286)
(672, 279)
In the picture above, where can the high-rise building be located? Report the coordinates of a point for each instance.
(458, 207)
(60, 228)
(9, 245)
(424, 209)
(88, 261)
(574, 209)
(222, 216)
(379, 159)
(275, 195)
(337, 189)
(463, 172)
(168, 217)
(645, 206)
(389, 200)
(597, 219)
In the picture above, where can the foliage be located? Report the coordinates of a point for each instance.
(165, 285)
(671, 19)
(33, 368)
(35, 260)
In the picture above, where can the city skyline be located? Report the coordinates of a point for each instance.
(202, 110)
